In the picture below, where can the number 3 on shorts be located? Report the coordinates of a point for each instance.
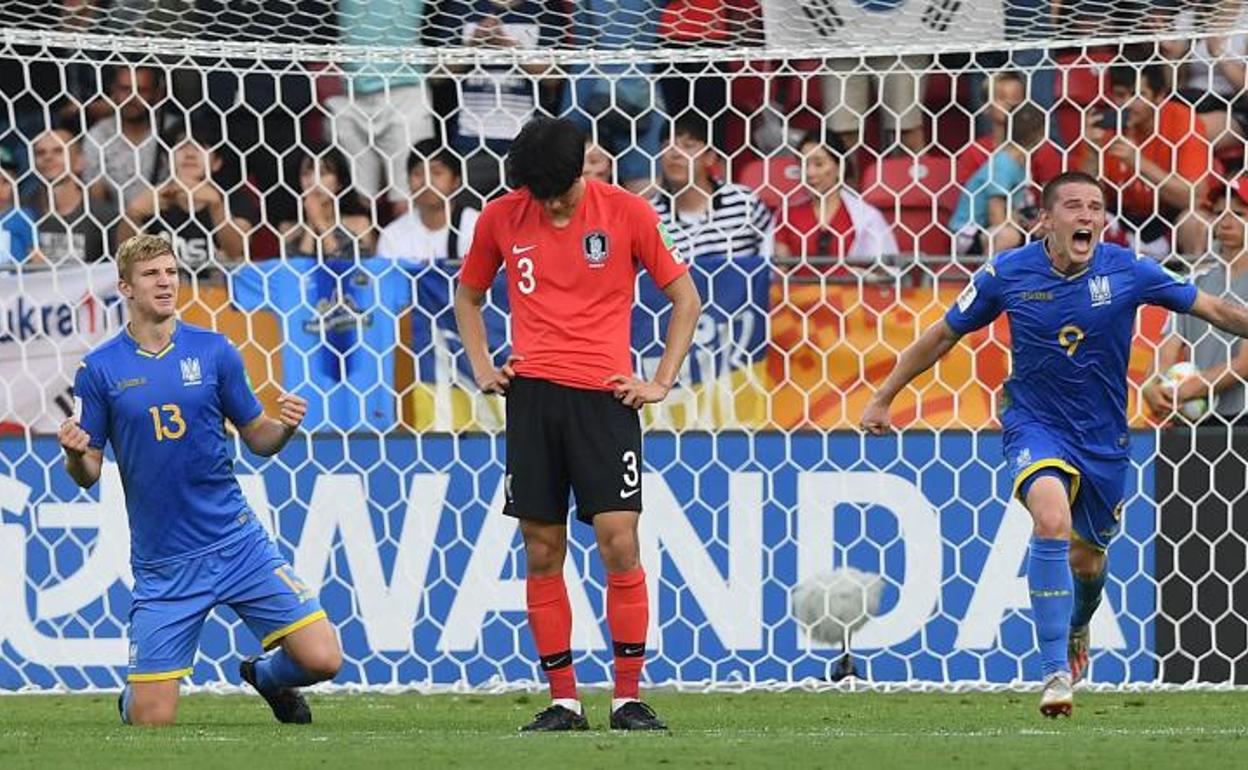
(631, 477)
(527, 282)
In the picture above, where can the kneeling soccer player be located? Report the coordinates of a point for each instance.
(160, 391)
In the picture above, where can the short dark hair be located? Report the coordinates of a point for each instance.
(1054, 185)
(692, 125)
(547, 156)
(1129, 77)
(434, 151)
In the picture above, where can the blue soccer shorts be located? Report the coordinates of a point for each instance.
(1097, 485)
(172, 601)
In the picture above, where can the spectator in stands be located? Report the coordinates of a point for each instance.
(1212, 78)
(1159, 164)
(847, 100)
(1007, 92)
(495, 100)
(385, 110)
(615, 103)
(337, 222)
(834, 222)
(995, 211)
(598, 164)
(1221, 358)
(704, 215)
(71, 226)
(123, 151)
(17, 224)
(437, 225)
(208, 226)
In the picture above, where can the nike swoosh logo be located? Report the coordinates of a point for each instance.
(625, 495)
(521, 249)
(632, 651)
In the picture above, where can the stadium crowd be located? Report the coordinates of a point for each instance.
(936, 159)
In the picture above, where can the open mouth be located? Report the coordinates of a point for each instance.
(1082, 238)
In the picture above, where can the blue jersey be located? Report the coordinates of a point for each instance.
(339, 333)
(164, 414)
(1071, 337)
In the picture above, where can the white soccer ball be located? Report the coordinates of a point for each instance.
(1196, 407)
(831, 605)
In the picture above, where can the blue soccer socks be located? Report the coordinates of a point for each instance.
(1050, 584)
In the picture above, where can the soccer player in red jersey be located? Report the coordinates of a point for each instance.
(571, 248)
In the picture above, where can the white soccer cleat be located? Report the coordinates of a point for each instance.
(1058, 698)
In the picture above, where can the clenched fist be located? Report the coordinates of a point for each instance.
(294, 408)
(72, 437)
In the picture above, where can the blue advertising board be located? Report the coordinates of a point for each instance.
(403, 539)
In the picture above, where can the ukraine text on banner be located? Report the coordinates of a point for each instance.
(721, 381)
(48, 322)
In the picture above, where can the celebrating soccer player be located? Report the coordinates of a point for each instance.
(160, 391)
(1071, 302)
(570, 246)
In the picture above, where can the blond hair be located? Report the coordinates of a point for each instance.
(140, 248)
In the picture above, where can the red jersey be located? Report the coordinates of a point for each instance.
(572, 288)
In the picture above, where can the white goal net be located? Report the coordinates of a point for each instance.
(319, 165)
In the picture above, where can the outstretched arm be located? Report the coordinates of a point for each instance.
(1230, 317)
(922, 354)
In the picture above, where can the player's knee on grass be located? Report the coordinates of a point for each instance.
(153, 704)
(545, 547)
(1049, 504)
(618, 547)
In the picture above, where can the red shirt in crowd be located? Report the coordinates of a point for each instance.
(1046, 160)
(802, 234)
(1178, 145)
(571, 288)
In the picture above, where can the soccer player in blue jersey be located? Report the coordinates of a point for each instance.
(160, 391)
(1071, 301)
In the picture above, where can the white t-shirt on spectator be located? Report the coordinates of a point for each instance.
(1199, 68)
(408, 238)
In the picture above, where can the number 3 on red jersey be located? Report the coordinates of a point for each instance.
(526, 283)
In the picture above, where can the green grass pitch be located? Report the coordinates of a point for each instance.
(790, 730)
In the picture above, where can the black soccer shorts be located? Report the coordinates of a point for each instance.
(562, 439)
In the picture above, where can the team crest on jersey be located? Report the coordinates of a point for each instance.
(597, 248)
(1098, 287)
(191, 373)
(1023, 459)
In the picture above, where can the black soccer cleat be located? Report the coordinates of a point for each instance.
(636, 715)
(287, 703)
(556, 719)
